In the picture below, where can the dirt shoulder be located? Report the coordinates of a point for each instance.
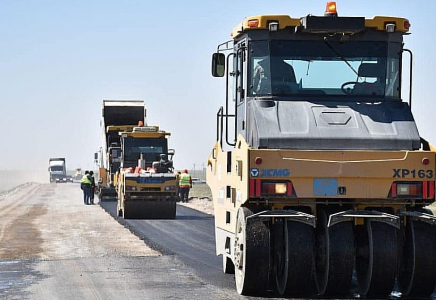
(50, 221)
(200, 198)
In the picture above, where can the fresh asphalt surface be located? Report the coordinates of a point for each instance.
(191, 238)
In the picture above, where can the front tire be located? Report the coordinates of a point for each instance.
(252, 253)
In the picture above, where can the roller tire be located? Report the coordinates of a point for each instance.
(295, 261)
(149, 210)
(417, 273)
(376, 259)
(252, 252)
(334, 262)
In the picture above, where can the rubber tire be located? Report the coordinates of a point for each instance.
(295, 275)
(334, 260)
(252, 241)
(417, 272)
(376, 259)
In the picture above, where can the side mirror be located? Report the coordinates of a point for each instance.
(171, 153)
(218, 64)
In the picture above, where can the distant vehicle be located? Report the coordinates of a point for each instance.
(57, 169)
(146, 183)
(198, 181)
(117, 116)
(78, 174)
(64, 179)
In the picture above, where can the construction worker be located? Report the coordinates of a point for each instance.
(85, 184)
(91, 196)
(185, 183)
(272, 76)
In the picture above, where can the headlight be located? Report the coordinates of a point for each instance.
(170, 188)
(130, 188)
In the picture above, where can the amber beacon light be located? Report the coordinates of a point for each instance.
(330, 9)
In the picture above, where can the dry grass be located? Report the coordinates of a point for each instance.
(200, 191)
(200, 198)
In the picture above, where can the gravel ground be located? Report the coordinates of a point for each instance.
(33, 226)
(200, 199)
(55, 247)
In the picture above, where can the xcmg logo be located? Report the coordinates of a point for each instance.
(270, 172)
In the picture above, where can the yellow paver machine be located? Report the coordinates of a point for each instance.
(319, 171)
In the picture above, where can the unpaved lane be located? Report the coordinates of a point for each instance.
(55, 247)
(51, 222)
(71, 229)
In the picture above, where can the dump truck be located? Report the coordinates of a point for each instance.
(318, 170)
(57, 170)
(117, 116)
(146, 182)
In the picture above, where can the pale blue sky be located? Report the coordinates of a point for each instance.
(60, 59)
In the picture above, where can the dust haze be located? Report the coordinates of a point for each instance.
(10, 178)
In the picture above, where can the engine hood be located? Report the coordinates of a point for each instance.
(331, 125)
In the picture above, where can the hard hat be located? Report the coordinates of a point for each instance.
(185, 171)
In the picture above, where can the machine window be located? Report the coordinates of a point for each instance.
(151, 148)
(280, 68)
(56, 168)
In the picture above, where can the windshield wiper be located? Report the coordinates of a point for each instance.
(340, 56)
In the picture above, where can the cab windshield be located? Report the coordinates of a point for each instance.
(56, 168)
(151, 148)
(286, 68)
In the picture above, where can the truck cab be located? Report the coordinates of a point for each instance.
(57, 170)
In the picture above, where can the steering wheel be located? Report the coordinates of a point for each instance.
(348, 91)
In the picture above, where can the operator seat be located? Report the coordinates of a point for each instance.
(282, 72)
(274, 76)
(370, 70)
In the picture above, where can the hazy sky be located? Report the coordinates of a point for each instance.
(60, 59)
